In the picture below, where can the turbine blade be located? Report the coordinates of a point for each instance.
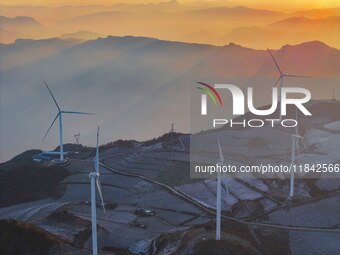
(97, 152)
(298, 76)
(89, 113)
(277, 65)
(51, 125)
(277, 81)
(100, 193)
(55, 101)
(221, 154)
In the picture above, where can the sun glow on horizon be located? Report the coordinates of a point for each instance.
(260, 24)
(278, 5)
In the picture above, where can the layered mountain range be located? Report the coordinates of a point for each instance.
(137, 82)
(210, 23)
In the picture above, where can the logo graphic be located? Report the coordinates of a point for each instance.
(280, 99)
(208, 91)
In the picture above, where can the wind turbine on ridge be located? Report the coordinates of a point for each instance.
(95, 181)
(297, 134)
(280, 80)
(59, 115)
(218, 197)
(293, 159)
(218, 194)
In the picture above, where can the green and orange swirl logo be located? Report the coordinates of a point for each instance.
(211, 92)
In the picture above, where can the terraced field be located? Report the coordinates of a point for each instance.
(155, 175)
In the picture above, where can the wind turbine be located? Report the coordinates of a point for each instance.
(95, 181)
(60, 116)
(218, 195)
(294, 141)
(297, 133)
(280, 80)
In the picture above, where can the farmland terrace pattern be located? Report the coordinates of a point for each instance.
(209, 210)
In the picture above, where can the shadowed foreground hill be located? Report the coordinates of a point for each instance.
(23, 181)
(24, 238)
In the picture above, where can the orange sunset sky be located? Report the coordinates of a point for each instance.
(251, 23)
(290, 4)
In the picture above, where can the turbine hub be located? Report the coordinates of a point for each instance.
(93, 175)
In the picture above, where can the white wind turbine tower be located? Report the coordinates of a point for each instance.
(297, 133)
(280, 80)
(95, 181)
(293, 159)
(59, 115)
(218, 195)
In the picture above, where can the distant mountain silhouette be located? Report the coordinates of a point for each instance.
(18, 21)
(82, 35)
(236, 11)
(307, 23)
(292, 30)
(318, 13)
(21, 26)
(26, 51)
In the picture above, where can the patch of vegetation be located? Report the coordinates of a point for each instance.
(72, 147)
(81, 237)
(116, 251)
(236, 239)
(247, 208)
(30, 182)
(66, 217)
(123, 144)
(22, 159)
(213, 247)
(24, 239)
(167, 140)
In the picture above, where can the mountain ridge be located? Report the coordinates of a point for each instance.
(237, 10)
(19, 19)
(147, 79)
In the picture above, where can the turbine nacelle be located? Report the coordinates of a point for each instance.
(94, 175)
